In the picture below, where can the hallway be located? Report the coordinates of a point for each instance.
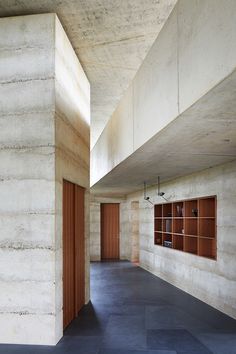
(134, 312)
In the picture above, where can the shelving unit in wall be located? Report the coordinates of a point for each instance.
(187, 225)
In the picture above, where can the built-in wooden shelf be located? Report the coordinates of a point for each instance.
(187, 225)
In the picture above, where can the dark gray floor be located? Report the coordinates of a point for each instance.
(134, 312)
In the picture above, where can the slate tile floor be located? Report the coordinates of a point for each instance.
(134, 312)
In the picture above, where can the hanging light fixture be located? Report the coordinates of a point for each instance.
(159, 193)
(145, 193)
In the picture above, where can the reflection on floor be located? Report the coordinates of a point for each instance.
(134, 312)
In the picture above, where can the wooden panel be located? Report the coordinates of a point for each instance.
(190, 208)
(207, 248)
(207, 227)
(79, 249)
(191, 244)
(158, 211)
(68, 254)
(178, 242)
(110, 230)
(73, 251)
(207, 207)
(191, 226)
(158, 238)
(178, 226)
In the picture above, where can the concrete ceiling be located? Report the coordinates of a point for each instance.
(202, 137)
(110, 37)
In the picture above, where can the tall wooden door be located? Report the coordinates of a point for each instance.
(73, 251)
(79, 249)
(110, 230)
(68, 253)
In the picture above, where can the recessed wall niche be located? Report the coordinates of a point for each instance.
(187, 225)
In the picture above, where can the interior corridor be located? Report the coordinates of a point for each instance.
(135, 312)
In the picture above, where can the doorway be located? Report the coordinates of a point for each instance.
(73, 251)
(110, 231)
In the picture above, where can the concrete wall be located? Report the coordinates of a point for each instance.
(95, 228)
(27, 184)
(72, 150)
(34, 158)
(135, 231)
(213, 282)
(125, 231)
(194, 52)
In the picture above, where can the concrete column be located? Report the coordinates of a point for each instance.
(41, 124)
(125, 249)
(135, 231)
(95, 231)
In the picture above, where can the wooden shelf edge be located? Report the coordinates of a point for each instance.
(184, 217)
(207, 238)
(184, 251)
(187, 235)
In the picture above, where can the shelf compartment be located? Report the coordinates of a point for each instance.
(191, 227)
(167, 237)
(158, 238)
(167, 210)
(207, 228)
(158, 225)
(158, 211)
(191, 244)
(167, 244)
(207, 207)
(207, 248)
(178, 226)
(178, 242)
(167, 225)
(178, 209)
(191, 208)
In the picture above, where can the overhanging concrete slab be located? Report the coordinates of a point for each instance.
(201, 137)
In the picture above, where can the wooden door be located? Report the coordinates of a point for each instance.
(110, 230)
(68, 253)
(79, 249)
(73, 251)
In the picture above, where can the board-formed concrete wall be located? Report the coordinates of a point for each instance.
(95, 234)
(72, 146)
(134, 231)
(193, 53)
(213, 282)
(38, 147)
(27, 184)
